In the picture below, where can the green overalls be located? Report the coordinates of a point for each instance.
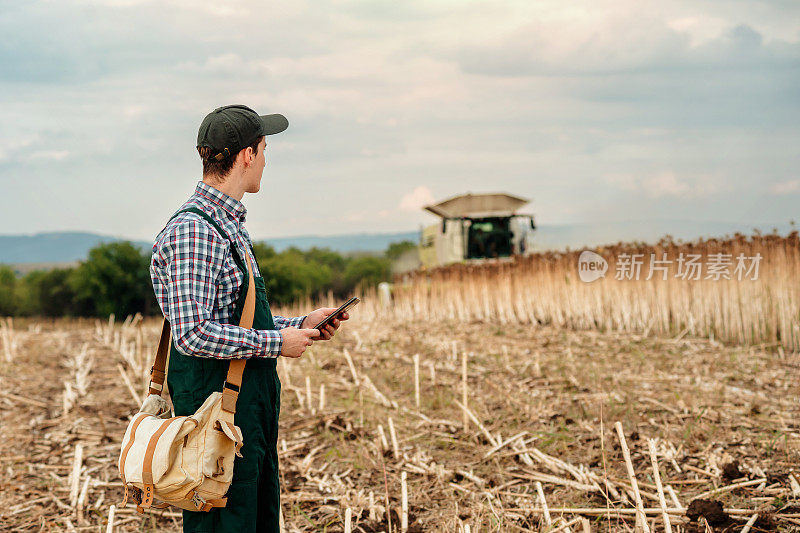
(254, 495)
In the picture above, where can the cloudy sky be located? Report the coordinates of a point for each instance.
(596, 110)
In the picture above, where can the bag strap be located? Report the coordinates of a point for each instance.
(147, 467)
(158, 371)
(233, 381)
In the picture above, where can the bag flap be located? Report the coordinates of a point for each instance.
(233, 432)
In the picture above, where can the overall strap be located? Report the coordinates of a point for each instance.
(233, 381)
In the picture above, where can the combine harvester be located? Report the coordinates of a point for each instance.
(476, 228)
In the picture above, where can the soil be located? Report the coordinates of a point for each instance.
(559, 392)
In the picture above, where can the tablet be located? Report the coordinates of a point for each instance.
(342, 308)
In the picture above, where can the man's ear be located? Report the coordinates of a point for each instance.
(247, 156)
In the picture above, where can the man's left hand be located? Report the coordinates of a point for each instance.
(316, 316)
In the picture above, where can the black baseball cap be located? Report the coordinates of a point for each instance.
(228, 129)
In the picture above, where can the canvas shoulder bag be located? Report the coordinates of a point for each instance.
(185, 461)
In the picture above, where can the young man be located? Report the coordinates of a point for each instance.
(198, 270)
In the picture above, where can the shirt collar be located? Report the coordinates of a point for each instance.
(232, 206)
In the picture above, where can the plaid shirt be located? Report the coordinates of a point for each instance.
(196, 281)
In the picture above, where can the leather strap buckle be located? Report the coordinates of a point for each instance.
(198, 500)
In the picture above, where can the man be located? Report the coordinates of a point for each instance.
(198, 272)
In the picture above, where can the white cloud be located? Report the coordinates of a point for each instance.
(533, 98)
(786, 187)
(131, 112)
(699, 30)
(637, 38)
(54, 155)
(15, 146)
(354, 217)
(416, 199)
(223, 8)
(227, 65)
(664, 184)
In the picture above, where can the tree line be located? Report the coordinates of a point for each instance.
(115, 278)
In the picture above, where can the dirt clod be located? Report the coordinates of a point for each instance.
(765, 522)
(711, 510)
(731, 471)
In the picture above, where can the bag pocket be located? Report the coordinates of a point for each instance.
(223, 442)
(176, 463)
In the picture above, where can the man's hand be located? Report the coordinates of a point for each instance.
(318, 315)
(295, 341)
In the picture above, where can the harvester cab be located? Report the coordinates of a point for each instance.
(476, 227)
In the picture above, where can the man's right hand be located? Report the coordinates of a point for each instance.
(295, 341)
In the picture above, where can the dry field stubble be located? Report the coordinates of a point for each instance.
(543, 405)
(712, 288)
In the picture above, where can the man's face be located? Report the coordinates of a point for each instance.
(256, 169)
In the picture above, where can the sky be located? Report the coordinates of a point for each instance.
(597, 111)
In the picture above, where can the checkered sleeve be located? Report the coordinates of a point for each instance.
(189, 260)
(282, 322)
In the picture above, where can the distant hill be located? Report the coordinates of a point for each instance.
(25, 268)
(356, 242)
(68, 247)
(575, 236)
(57, 249)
